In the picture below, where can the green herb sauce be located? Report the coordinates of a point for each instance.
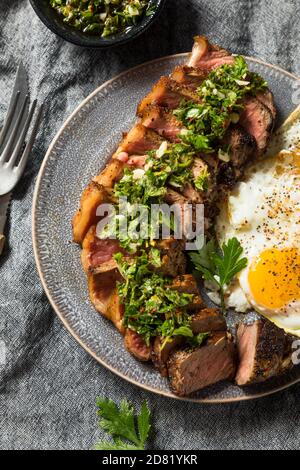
(102, 17)
(222, 96)
(151, 307)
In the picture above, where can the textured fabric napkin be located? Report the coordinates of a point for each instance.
(49, 383)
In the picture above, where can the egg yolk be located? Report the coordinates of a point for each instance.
(274, 278)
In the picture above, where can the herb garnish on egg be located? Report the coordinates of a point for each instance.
(220, 266)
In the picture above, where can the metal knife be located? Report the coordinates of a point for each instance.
(4, 205)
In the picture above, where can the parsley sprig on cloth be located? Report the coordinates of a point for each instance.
(128, 432)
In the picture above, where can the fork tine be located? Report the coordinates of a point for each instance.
(15, 132)
(31, 140)
(9, 117)
(22, 137)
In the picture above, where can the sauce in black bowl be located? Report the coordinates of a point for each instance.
(76, 30)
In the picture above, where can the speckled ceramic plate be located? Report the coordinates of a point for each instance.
(78, 152)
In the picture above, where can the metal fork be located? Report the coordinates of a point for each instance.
(13, 155)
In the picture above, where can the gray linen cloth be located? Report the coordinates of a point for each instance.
(49, 383)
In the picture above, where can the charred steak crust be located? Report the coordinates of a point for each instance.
(264, 351)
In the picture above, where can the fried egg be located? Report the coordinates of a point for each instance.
(263, 213)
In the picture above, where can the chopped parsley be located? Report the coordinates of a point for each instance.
(103, 17)
(169, 165)
(201, 182)
(222, 96)
(152, 307)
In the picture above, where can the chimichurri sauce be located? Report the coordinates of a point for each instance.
(103, 17)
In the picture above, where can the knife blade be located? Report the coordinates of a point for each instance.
(4, 205)
(21, 86)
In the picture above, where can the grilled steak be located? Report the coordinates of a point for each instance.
(264, 351)
(101, 288)
(207, 57)
(111, 174)
(94, 195)
(242, 146)
(163, 122)
(173, 260)
(185, 283)
(208, 319)
(267, 99)
(97, 254)
(189, 369)
(115, 311)
(160, 356)
(258, 121)
(188, 76)
(139, 141)
(192, 369)
(205, 320)
(167, 93)
(136, 345)
(196, 303)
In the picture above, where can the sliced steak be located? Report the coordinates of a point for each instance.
(264, 351)
(207, 57)
(267, 98)
(160, 356)
(163, 122)
(111, 174)
(196, 303)
(258, 121)
(185, 215)
(193, 369)
(188, 76)
(185, 284)
(136, 345)
(101, 288)
(97, 254)
(139, 140)
(207, 320)
(242, 146)
(115, 311)
(167, 93)
(94, 195)
(173, 259)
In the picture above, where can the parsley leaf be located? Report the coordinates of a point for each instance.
(120, 423)
(220, 266)
(229, 263)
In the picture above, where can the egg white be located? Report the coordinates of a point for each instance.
(263, 212)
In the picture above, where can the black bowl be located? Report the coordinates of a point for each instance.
(55, 22)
